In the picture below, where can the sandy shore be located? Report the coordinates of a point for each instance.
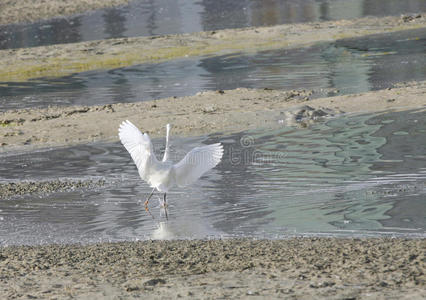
(61, 60)
(17, 11)
(207, 112)
(298, 268)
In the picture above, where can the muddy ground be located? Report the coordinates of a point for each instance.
(14, 189)
(19, 11)
(204, 113)
(60, 60)
(298, 268)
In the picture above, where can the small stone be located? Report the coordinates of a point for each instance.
(209, 109)
(409, 18)
(412, 257)
(251, 293)
(131, 288)
(154, 281)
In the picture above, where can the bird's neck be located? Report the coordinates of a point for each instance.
(167, 151)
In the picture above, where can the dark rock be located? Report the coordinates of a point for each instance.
(154, 281)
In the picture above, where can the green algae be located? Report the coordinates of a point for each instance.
(60, 66)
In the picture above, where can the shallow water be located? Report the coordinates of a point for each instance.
(361, 175)
(349, 66)
(144, 18)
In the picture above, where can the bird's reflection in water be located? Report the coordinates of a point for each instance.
(163, 232)
(179, 226)
(175, 229)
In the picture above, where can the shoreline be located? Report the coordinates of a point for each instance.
(26, 11)
(324, 268)
(19, 65)
(204, 113)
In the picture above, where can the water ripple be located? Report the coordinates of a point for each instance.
(349, 176)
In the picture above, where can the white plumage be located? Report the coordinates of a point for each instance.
(163, 175)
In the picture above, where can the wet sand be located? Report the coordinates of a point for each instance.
(61, 60)
(19, 11)
(42, 188)
(298, 268)
(204, 113)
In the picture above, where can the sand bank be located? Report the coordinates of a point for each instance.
(298, 268)
(18, 11)
(204, 113)
(61, 60)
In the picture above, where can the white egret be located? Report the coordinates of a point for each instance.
(163, 175)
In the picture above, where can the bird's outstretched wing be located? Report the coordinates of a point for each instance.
(197, 162)
(138, 144)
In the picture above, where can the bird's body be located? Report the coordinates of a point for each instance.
(163, 175)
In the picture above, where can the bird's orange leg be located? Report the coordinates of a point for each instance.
(147, 200)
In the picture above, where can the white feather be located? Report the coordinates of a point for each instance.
(139, 146)
(197, 162)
